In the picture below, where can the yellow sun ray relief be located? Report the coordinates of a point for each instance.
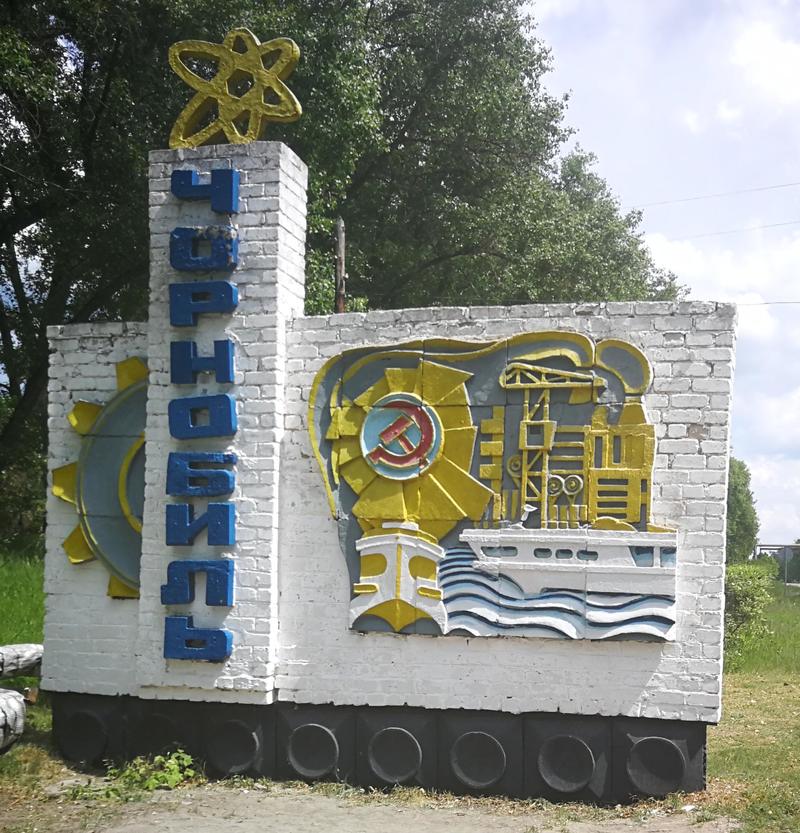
(246, 92)
(106, 482)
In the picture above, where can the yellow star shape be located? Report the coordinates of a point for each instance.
(246, 92)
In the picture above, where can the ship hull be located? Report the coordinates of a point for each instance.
(572, 584)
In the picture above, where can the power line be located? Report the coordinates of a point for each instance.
(762, 303)
(717, 195)
(737, 230)
(34, 181)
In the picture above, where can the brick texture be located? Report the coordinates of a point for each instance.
(289, 620)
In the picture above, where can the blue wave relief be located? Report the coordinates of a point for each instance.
(492, 605)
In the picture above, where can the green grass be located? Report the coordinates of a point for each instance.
(753, 760)
(30, 763)
(21, 599)
(754, 754)
(21, 606)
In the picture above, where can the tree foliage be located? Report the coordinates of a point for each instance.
(466, 200)
(426, 125)
(742, 531)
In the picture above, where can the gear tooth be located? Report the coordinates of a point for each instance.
(77, 547)
(65, 482)
(117, 589)
(83, 415)
(130, 371)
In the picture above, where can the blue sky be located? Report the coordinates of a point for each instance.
(683, 98)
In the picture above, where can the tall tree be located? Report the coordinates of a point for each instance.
(85, 92)
(426, 125)
(742, 532)
(467, 200)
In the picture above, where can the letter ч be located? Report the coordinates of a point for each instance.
(222, 190)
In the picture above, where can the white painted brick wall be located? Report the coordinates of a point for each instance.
(290, 620)
(322, 661)
(89, 638)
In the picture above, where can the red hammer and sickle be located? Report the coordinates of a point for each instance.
(412, 415)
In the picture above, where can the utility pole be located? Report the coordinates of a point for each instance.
(341, 274)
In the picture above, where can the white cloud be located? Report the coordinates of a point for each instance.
(766, 266)
(770, 63)
(767, 422)
(544, 10)
(727, 113)
(727, 275)
(766, 408)
(724, 113)
(776, 484)
(691, 121)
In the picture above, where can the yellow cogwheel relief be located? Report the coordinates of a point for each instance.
(106, 483)
(246, 91)
(460, 473)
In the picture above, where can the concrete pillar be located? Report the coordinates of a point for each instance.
(269, 278)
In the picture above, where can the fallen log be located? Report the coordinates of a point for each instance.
(12, 718)
(15, 660)
(20, 659)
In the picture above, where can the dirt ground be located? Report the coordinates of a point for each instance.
(214, 808)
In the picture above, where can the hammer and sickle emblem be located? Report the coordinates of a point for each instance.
(405, 446)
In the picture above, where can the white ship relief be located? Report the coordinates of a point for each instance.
(568, 583)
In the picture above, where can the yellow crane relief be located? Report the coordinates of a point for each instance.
(569, 476)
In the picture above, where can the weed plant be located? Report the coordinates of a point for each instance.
(130, 781)
(163, 772)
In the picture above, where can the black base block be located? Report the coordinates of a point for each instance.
(161, 726)
(396, 746)
(240, 740)
(316, 743)
(656, 757)
(567, 757)
(480, 753)
(560, 757)
(89, 728)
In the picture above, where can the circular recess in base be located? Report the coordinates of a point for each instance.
(157, 733)
(313, 751)
(478, 760)
(566, 763)
(82, 736)
(232, 747)
(656, 766)
(394, 755)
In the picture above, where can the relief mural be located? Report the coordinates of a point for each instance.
(493, 489)
(106, 482)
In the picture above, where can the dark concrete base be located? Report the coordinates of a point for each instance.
(555, 756)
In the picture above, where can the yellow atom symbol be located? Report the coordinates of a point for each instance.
(246, 92)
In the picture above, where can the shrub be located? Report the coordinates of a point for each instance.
(748, 591)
